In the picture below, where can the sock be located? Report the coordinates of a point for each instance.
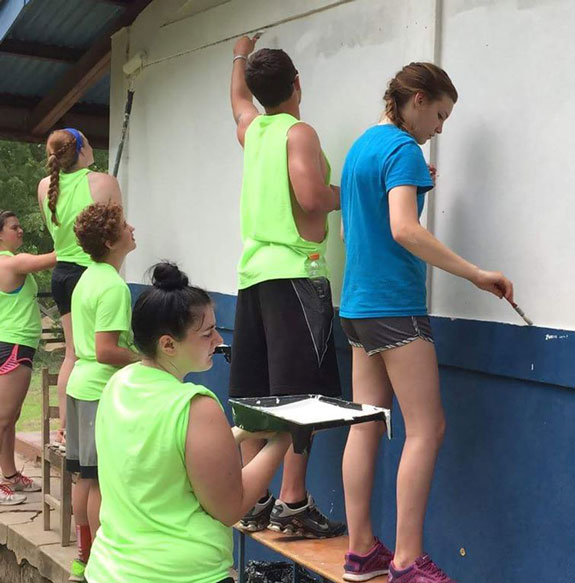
(10, 477)
(297, 505)
(84, 541)
(265, 498)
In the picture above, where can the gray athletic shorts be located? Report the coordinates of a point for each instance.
(81, 454)
(378, 334)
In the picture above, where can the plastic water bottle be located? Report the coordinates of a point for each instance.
(315, 266)
(316, 269)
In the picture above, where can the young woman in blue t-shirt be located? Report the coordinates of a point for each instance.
(384, 315)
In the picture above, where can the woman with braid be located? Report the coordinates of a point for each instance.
(20, 329)
(62, 195)
(384, 315)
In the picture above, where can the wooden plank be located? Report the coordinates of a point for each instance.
(52, 502)
(91, 67)
(322, 556)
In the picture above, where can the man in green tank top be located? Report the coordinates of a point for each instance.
(283, 341)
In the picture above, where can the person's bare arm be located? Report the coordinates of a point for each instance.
(42, 191)
(104, 188)
(25, 263)
(223, 488)
(108, 351)
(408, 232)
(243, 107)
(306, 172)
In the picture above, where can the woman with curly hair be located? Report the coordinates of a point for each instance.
(70, 188)
(19, 335)
(101, 328)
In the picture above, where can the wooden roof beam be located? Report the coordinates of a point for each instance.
(91, 67)
(39, 51)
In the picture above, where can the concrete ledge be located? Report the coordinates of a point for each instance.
(22, 532)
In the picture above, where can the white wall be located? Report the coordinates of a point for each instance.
(502, 199)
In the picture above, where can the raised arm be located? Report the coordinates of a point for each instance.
(243, 107)
(223, 488)
(408, 232)
(25, 263)
(306, 172)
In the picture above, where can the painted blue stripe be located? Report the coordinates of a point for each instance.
(543, 355)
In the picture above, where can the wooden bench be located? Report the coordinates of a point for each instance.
(322, 556)
(54, 457)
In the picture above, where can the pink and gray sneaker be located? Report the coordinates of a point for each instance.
(365, 567)
(423, 570)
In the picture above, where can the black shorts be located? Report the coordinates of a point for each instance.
(283, 340)
(379, 334)
(14, 355)
(64, 279)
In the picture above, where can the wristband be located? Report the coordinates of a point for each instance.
(243, 57)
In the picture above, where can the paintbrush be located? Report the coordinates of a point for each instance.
(521, 313)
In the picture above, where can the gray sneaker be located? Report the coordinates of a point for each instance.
(22, 483)
(307, 521)
(258, 517)
(8, 497)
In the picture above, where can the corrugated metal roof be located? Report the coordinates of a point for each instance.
(98, 94)
(28, 77)
(67, 23)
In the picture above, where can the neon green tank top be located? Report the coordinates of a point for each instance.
(153, 528)
(20, 314)
(74, 197)
(272, 245)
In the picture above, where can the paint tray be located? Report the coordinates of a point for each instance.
(302, 415)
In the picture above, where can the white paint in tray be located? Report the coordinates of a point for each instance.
(312, 410)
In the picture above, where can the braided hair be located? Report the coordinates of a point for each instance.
(61, 153)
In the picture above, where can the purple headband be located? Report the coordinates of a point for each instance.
(78, 137)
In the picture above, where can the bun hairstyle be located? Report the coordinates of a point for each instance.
(168, 277)
(426, 78)
(169, 307)
(61, 154)
(5, 215)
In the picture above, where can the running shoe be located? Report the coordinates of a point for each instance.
(365, 567)
(22, 483)
(8, 498)
(77, 571)
(307, 521)
(423, 570)
(258, 517)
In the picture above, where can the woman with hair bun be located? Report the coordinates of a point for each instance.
(384, 315)
(102, 311)
(170, 471)
(20, 331)
(70, 187)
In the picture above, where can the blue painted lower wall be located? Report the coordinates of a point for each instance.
(502, 507)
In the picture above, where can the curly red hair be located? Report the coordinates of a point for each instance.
(98, 226)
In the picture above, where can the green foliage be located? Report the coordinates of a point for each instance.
(22, 166)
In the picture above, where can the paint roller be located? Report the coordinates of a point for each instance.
(131, 69)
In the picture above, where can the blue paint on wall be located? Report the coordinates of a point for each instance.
(505, 478)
